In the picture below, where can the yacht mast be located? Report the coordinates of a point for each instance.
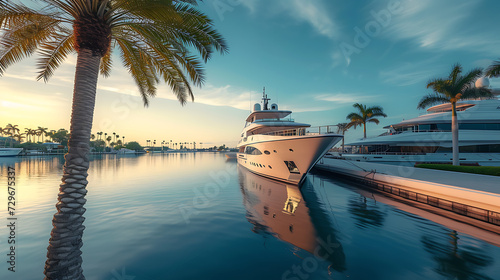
(265, 99)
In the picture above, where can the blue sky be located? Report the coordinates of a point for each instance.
(310, 56)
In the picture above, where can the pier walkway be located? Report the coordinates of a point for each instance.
(473, 195)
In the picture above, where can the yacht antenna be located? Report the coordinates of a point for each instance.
(265, 99)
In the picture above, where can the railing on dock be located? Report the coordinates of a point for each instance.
(470, 211)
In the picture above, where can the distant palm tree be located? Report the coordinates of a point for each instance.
(51, 134)
(493, 70)
(123, 137)
(114, 136)
(450, 90)
(29, 132)
(42, 131)
(364, 115)
(108, 139)
(92, 136)
(18, 137)
(11, 131)
(342, 128)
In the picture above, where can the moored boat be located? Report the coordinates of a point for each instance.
(275, 146)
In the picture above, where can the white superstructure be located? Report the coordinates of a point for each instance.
(275, 146)
(427, 138)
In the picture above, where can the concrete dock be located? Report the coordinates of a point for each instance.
(472, 195)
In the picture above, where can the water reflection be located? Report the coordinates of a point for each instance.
(454, 260)
(366, 213)
(279, 209)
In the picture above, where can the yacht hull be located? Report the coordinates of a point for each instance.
(10, 152)
(287, 159)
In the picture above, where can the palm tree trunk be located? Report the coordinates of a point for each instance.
(364, 131)
(64, 259)
(454, 132)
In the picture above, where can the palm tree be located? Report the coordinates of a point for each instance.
(452, 89)
(364, 115)
(342, 128)
(50, 134)
(123, 137)
(108, 139)
(29, 132)
(18, 137)
(11, 131)
(155, 39)
(42, 131)
(493, 70)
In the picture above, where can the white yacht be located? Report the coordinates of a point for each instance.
(275, 146)
(427, 138)
(10, 152)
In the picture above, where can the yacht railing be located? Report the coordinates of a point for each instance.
(316, 130)
(274, 120)
(412, 131)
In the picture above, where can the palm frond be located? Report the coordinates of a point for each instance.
(373, 120)
(455, 72)
(354, 116)
(23, 34)
(475, 93)
(106, 64)
(431, 99)
(465, 82)
(139, 68)
(493, 70)
(53, 53)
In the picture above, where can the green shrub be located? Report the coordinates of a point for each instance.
(484, 170)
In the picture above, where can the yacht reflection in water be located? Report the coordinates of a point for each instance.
(279, 209)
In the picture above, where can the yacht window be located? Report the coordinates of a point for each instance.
(267, 152)
(443, 126)
(252, 151)
(292, 167)
(424, 127)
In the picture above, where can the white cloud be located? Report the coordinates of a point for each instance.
(344, 97)
(314, 13)
(412, 73)
(443, 25)
(250, 4)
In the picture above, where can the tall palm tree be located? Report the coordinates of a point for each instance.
(155, 40)
(342, 128)
(493, 70)
(364, 115)
(450, 90)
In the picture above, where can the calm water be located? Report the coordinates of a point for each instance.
(198, 216)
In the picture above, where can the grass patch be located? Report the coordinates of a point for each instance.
(484, 170)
